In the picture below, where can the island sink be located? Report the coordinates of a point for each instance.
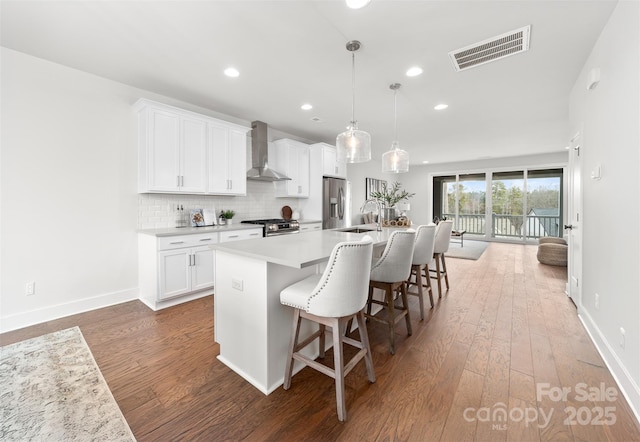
(356, 230)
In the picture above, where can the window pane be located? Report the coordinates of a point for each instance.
(507, 198)
(471, 203)
(544, 203)
(443, 196)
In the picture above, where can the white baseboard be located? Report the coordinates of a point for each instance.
(159, 305)
(621, 375)
(32, 317)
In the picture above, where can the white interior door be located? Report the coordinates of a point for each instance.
(573, 227)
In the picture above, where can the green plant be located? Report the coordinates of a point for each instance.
(228, 214)
(390, 196)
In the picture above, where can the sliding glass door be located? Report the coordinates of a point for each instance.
(507, 204)
(472, 196)
(515, 205)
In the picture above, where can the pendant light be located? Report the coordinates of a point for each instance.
(395, 160)
(353, 145)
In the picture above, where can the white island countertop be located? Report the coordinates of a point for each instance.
(301, 250)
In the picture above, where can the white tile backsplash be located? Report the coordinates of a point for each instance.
(158, 210)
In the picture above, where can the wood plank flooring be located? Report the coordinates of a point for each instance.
(504, 329)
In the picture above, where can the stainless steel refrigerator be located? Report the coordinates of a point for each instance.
(335, 194)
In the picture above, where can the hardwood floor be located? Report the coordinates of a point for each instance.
(504, 330)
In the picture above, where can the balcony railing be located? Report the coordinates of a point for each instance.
(510, 226)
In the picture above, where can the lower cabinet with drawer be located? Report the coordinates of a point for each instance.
(238, 235)
(175, 269)
(309, 227)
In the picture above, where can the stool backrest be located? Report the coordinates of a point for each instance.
(344, 285)
(443, 236)
(395, 263)
(423, 248)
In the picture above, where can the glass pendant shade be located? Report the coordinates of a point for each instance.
(396, 160)
(354, 145)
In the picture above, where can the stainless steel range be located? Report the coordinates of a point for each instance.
(273, 227)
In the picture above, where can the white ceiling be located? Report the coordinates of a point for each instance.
(292, 52)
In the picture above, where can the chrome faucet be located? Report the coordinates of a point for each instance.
(379, 207)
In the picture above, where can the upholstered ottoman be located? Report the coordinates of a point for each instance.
(552, 251)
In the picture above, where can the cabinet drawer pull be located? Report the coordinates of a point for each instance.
(255, 234)
(205, 239)
(233, 236)
(176, 242)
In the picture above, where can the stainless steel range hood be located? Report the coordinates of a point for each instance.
(259, 156)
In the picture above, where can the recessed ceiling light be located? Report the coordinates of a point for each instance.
(306, 106)
(441, 106)
(425, 162)
(231, 72)
(414, 71)
(357, 4)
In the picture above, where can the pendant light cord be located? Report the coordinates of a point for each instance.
(353, 89)
(395, 114)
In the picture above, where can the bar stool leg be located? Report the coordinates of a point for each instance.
(364, 338)
(403, 294)
(339, 369)
(438, 273)
(321, 342)
(444, 270)
(428, 280)
(392, 317)
(420, 292)
(294, 342)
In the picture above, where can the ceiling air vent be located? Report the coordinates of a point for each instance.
(491, 49)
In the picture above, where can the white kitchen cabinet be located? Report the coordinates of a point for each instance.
(171, 150)
(227, 159)
(185, 152)
(328, 157)
(310, 227)
(175, 267)
(291, 158)
(239, 235)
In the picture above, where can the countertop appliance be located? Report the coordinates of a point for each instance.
(273, 227)
(334, 198)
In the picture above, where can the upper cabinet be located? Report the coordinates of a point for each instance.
(331, 167)
(227, 160)
(291, 158)
(184, 152)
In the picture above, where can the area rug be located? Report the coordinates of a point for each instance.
(471, 250)
(51, 389)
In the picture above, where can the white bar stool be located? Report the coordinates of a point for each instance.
(422, 256)
(390, 273)
(333, 299)
(443, 238)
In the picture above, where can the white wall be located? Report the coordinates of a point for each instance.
(69, 205)
(611, 237)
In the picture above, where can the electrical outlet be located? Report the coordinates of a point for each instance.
(622, 337)
(597, 301)
(30, 288)
(237, 284)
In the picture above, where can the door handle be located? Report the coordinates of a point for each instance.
(568, 227)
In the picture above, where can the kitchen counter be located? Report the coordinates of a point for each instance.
(300, 251)
(251, 326)
(174, 231)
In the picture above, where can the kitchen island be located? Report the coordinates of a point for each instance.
(251, 326)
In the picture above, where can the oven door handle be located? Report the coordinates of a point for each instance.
(288, 232)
